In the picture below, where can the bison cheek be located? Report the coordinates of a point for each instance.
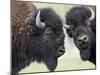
(51, 63)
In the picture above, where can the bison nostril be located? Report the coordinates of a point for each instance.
(85, 38)
(61, 51)
(79, 40)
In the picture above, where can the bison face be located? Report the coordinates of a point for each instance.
(79, 26)
(53, 46)
(47, 36)
(83, 36)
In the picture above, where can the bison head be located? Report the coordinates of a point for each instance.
(47, 38)
(78, 22)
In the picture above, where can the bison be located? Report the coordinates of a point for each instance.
(41, 39)
(81, 26)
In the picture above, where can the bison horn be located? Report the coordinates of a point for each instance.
(39, 24)
(66, 26)
(64, 23)
(92, 14)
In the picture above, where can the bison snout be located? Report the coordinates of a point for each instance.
(82, 40)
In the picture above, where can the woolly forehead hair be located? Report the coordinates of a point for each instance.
(83, 10)
(78, 14)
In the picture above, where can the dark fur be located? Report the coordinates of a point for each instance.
(79, 23)
(35, 44)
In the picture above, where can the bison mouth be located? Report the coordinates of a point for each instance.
(52, 62)
(85, 55)
(60, 51)
(84, 45)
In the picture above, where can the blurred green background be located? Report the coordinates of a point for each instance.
(71, 59)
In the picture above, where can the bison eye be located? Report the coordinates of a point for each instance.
(72, 32)
(49, 33)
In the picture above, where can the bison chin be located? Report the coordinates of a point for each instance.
(84, 50)
(85, 54)
(51, 64)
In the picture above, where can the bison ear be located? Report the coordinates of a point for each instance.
(69, 32)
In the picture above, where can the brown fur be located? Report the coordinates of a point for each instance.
(19, 13)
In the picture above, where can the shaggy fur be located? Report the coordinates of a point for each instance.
(80, 25)
(30, 43)
(19, 13)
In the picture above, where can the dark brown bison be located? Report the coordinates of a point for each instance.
(81, 25)
(36, 37)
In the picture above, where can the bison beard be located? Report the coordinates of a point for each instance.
(81, 26)
(38, 44)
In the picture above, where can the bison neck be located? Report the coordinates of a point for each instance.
(93, 52)
(93, 55)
